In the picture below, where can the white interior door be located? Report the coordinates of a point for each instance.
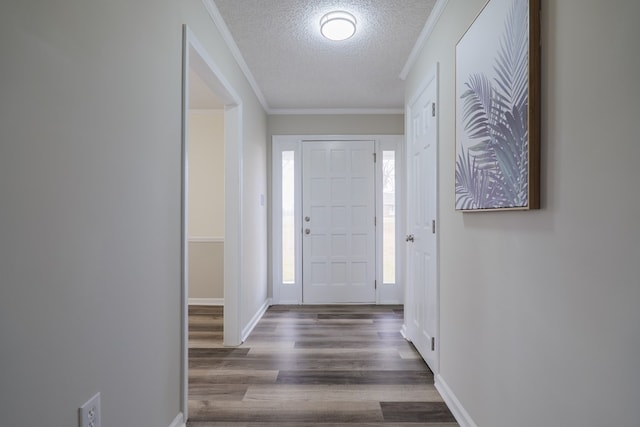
(338, 209)
(422, 304)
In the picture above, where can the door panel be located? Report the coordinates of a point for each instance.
(422, 286)
(338, 204)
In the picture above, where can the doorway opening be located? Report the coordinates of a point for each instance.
(205, 222)
(199, 69)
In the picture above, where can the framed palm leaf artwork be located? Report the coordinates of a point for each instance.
(498, 109)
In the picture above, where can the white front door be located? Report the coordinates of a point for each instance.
(421, 306)
(338, 210)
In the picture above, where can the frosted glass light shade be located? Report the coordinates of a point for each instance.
(338, 25)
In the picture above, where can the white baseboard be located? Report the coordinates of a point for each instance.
(403, 331)
(255, 319)
(206, 301)
(456, 408)
(178, 421)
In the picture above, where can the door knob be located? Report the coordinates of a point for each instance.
(307, 231)
(307, 219)
(409, 238)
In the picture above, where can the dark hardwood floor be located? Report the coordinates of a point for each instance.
(311, 366)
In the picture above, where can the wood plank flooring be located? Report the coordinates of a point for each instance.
(308, 366)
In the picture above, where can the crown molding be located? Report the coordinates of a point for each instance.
(429, 26)
(214, 13)
(329, 111)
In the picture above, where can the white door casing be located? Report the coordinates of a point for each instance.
(338, 209)
(422, 296)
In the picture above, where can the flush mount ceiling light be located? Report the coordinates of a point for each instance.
(338, 25)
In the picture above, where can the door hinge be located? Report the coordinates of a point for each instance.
(433, 226)
(433, 109)
(433, 343)
(374, 157)
(375, 221)
(375, 284)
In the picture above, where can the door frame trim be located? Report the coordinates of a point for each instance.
(292, 294)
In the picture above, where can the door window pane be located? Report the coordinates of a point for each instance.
(389, 217)
(288, 223)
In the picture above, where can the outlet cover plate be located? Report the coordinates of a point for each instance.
(89, 413)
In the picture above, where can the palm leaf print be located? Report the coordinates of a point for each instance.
(495, 116)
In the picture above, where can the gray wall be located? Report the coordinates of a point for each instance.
(539, 310)
(90, 206)
(332, 124)
(206, 271)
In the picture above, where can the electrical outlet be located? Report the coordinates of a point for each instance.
(89, 413)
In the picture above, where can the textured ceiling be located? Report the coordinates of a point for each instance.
(296, 68)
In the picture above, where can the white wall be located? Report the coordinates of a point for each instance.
(539, 310)
(90, 205)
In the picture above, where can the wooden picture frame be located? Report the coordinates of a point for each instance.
(497, 120)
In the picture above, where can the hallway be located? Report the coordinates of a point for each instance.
(311, 366)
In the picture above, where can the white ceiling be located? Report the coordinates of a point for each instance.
(294, 68)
